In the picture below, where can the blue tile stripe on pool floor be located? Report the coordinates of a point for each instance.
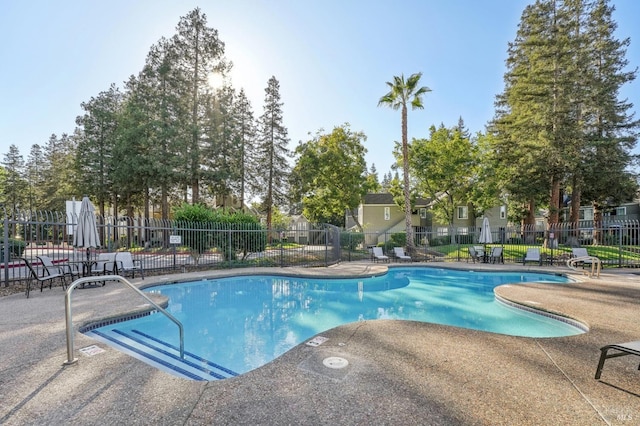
(162, 362)
(169, 354)
(192, 355)
(149, 356)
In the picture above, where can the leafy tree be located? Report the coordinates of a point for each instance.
(443, 166)
(486, 190)
(131, 153)
(331, 175)
(220, 146)
(14, 189)
(95, 148)
(167, 135)
(612, 134)
(559, 113)
(245, 137)
(400, 94)
(3, 185)
(58, 174)
(386, 182)
(272, 152)
(199, 53)
(35, 166)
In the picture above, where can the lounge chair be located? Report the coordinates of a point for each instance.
(580, 256)
(66, 269)
(496, 255)
(378, 255)
(400, 254)
(622, 349)
(42, 279)
(581, 252)
(533, 255)
(127, 264)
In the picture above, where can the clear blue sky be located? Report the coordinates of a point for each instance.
(331, 57)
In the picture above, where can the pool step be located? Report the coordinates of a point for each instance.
(162, 355)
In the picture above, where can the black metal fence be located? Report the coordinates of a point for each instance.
(163, 246)
(616, 243)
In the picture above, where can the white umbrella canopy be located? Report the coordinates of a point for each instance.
(86, 235)
(485, 232)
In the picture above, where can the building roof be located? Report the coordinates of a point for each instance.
(387, 198)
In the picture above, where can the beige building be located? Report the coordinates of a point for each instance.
(380, 216)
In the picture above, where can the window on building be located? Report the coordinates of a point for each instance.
(423, 213)
(442, 231)
(463, 212)
(463, 230)
(586, 213)
(618, 211)
(387, 213)
(503, 212)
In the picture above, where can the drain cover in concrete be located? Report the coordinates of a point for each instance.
(329, 364)
(335, 362)
(91, 350)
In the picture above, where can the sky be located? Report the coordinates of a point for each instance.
(331, 58)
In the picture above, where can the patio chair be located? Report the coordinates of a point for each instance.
(42, 279)
(400, 254)
(533, 255)
(105, 264)
(66, 269)
(622, 349)
(581, 252)
(127, 264)
(496, 255)
(474, 254)
(378, 255)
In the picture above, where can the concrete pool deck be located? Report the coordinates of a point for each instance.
(399, 372)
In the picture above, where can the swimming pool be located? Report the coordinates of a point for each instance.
(234, 325)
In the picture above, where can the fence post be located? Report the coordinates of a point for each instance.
(326, 246)
(5, 248)
(620, 246)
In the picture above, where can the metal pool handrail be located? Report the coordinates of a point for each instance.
(69, 319)
(596, 264)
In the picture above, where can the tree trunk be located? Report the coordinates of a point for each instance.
(554, 211)
(407, 198)
(355, 219)
(574, 214)
(529, 223)
(597, 225)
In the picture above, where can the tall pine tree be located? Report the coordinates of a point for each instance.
(272, 152)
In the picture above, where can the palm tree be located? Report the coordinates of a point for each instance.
(400, 93)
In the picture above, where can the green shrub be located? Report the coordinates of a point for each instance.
(395, 240)
(440, 241)
(202, 229)
(351, 240)
(464, 239)
(16, 248)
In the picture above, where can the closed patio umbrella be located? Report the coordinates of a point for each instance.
(485, 237)
(86, 235)
(485, 232)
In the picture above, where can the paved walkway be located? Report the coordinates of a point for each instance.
(400, 372)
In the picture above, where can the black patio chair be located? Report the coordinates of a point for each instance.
(42, 279)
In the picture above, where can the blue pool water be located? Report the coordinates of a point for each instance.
(234, 325)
